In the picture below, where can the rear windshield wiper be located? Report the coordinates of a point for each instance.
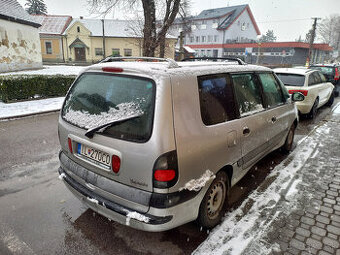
(89, 133)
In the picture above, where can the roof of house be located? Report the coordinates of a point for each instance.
(219, 12)
(227, 16)
(113, 28)
(11, 10)
(53, 24)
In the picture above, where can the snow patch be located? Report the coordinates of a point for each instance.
(88, 121)
(62, 176)
(197, 184)
(50, 70)
(95, 201)
(292, 190)
(136, 216)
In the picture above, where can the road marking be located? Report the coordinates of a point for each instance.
(13, 242)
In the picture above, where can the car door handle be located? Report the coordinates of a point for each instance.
(246, 131)
(274, 119)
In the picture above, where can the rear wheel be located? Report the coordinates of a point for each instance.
(287, 147)
(330, 100)
(214, 203)
(314, 109)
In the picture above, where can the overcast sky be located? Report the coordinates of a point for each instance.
(288, 18)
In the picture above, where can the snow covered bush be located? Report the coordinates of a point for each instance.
(24, 87)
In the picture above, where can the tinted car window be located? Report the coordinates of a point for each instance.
(248, 94)
(324, 69)
(292, 79)
(216, 99)
(96, 99)
(271, 89)
(314, 79)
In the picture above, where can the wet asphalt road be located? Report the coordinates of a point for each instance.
(38, 215)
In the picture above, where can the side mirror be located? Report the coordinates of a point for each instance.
(298, 97)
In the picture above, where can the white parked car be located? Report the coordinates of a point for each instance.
(312, 84)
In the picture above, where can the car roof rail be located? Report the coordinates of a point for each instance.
(239, 61)
(171, 63)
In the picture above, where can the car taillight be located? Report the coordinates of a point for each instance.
(165, 170)
(336, 74)
(112, 69)
(115, 163)
(304, 92)
(164, 175)
(70, 145)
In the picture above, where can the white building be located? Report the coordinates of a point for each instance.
(19, 38)
(212, 30)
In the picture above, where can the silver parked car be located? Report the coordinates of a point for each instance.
(154, 145)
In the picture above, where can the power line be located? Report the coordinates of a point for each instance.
(284, 20)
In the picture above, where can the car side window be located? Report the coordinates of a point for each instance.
(248, 94)
(314, 79)
(322, 77)
(271, 89)
(216, 99)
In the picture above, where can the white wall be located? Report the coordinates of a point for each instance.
(19, 47)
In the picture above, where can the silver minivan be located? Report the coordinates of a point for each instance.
(154, 145)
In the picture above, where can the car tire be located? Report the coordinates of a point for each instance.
(288, 145)
(314, 109)
(215, 201)
(330, 100)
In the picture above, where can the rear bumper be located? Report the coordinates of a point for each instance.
(166, 211)
(110, 209)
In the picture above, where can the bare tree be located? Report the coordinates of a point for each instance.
(154, 34)
(329, 31)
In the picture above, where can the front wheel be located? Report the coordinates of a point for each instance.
(214, 203)
(288, 145)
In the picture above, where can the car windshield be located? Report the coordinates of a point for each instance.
(324, 69)
(292, 79)
(96, 99)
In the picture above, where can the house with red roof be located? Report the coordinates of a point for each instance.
(51, 36)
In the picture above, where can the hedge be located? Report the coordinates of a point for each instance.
(23, 87)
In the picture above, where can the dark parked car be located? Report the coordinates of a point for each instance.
(332, 74)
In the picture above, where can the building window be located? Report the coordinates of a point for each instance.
(203, 38)
(48, 46)
(215, 38)
(209, 38)
(203, 26)
(115, 52)
(197, 39)
(98, 51)
(202, 53)
(214, 25)
(127, 52)
(208, 53)
(193, 27)
(191, 39)
(78, 29)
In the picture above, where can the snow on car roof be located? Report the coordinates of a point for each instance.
(183, 68)
(299, 71)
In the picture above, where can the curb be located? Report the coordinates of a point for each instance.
(27, 115)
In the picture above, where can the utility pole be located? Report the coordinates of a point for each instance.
(311, 41)
(104, 55)
(181, 48)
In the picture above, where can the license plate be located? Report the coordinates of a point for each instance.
(95, 155)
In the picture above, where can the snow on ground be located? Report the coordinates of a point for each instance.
(50, 70)
(242, 226)
(30, 107)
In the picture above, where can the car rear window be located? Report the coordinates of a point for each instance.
(96, 99)
(292, 79)
(324, 69)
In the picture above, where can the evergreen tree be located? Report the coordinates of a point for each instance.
(268, 37)
(36, 7)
